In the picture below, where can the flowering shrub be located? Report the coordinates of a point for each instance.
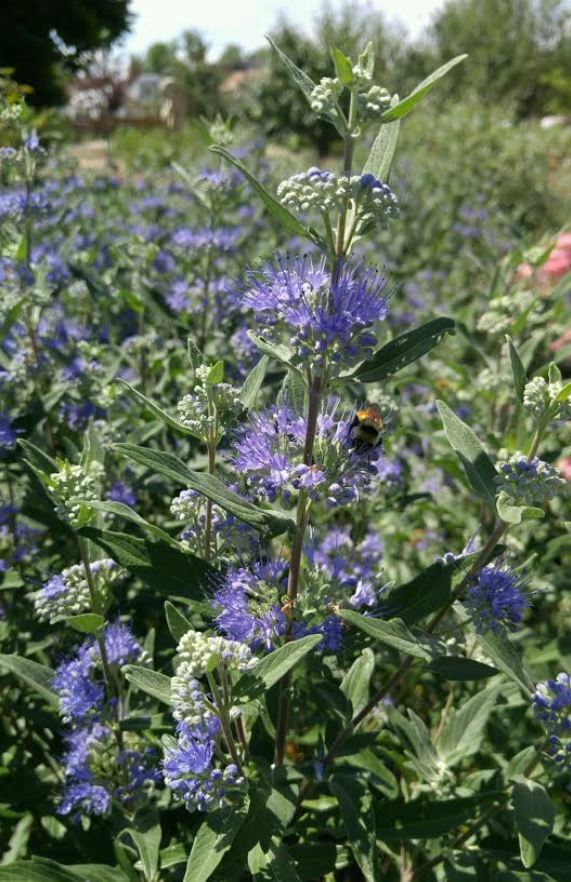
(275, 607)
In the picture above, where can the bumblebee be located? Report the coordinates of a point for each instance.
(367, 426)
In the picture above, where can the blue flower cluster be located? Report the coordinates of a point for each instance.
(269, 454)
(99, 768)
(189, 770)
(248, 604)
(529, 481)
(496, 600)
(551, 706)
(319, 318)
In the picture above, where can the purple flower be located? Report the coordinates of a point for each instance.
(269, 453)
(496, 600)
(84, 798)
(8, 435)
(80, 695)
(120, 644)
(190, 773)
(321, 318)
(121, 492)
(249, 604)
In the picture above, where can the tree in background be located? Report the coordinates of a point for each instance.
(519, 50)
(40, 39)
(185, 59)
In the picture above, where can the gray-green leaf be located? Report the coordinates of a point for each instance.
(478, 466)
(534, 817)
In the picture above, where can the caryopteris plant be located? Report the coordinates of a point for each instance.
(313, 718)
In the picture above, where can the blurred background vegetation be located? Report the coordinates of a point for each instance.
(520, 59)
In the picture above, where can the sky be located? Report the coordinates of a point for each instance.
(246, 21)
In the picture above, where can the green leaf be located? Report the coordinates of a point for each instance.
(421, 596)
(146, 834)
(278, 864)
(253, 383)
(195, 356)
(355, 683)
(416, 739)
(401, 351)
(98, 873)
(429, 818)
(159, 565)
(507, 659)
(151, 682)
(155, 409)
(564, 393)
(393, 633)
(177, 623)
(215, 374)
(170, 466)
(518, 370)
(306, 85)
(39, 677)
(172, 856)
(274, 666)
(356, 807)
(464, 728)
(343, 67)
(124, 511)
(37, 459)
(380, 158)
(404, 107)
(279, 212)
(275, 350)
(534, 817)
(478, 466)
(213, 839)
(87, 623)
(515, 514)
(457, 667)
(44, 870)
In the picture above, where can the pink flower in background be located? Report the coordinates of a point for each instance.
(557, 264)
(564, 466)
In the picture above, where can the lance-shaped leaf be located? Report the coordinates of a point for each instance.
(162, 567)
(146, 834)
(38, 676)
(167, 464)
(464, 728)
(279, 212)
(534, 817)
(151, 682)
(213, 839)
(478, 466)
(380, 158)
(401, 351)
(177, 623)
(121, 510)
(421, 596)
(394, 634)
(355, 683)
(400, 821)
(253, 383)
(518, 370)
(306, 85)
(356, 808)
(457, 667)
(276, 664)
(275, 350)
(155, 409)
(404, 107)
(507, 659)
